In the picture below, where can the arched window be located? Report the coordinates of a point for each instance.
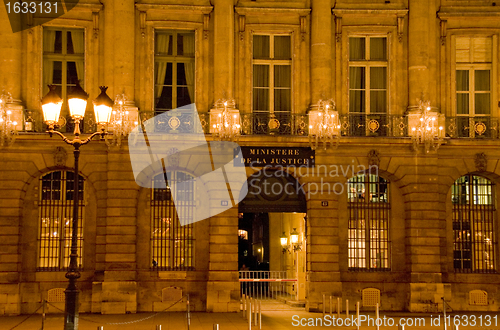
(56, 220)
(368, 236)
(172, 245)
(474, 239)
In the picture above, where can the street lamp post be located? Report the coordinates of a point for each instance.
(77, 103)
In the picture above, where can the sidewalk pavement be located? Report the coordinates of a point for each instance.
(271, 320)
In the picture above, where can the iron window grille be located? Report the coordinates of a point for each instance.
(172, 244)
(368, 229)
(474, 237)
(56, 221)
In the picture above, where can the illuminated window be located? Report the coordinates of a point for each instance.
(63, 62)
(368, 230)
(272, 82)
(243, 234)
(174, 69)
(172, 244)
(367, 83)
(56, 220)
(474, 242)
(473, 81)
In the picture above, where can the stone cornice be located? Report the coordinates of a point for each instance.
(181, 9)
(468, 12)
(248, 11)
(370, 12)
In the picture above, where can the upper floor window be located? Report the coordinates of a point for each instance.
(63, 59)
(368, 229)
(368, 74)
(56, 220)
(174, 69)
(272, 81)
(473, 75)
(474, 216)
(172, 244)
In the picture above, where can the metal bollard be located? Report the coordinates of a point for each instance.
(250, 315)
(100, 328)
(331, 306)
(188, 313)
(44, 302)
(357, 314)
(255, 313)
(339, 308)
(216, 327)
(323, 305)
(260, 314)
(401, 327)
(158, 327)
(377, 316)
(243, 307)
(456, 327)
(347, 308)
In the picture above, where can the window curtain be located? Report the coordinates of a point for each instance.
(79, 48)
(162, 43)
(49, 39)
(356, 86)
(189, 66)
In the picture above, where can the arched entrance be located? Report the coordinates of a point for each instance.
(274, 209)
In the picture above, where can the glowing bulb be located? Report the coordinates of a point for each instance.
(234, 116)
(1, 101)
(310, 126)
(332, 116)
(421, 119)
(126, 112)
(324, 126)
(413, 129)
(1, 120)
(135, 123)
(338, 126)
(226, 124)
(114, 112)
(14, 123)
(220, 115)
(9, 112)
(327, 106)
(225, 103)
(440, 128)
(428, 108)
(120, 102)
(433, 118)
(237, 125)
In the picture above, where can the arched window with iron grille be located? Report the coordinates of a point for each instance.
(56, 220)
(474, 237)
(172, 244)
(368, 229)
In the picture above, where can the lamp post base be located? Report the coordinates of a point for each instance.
(71, 310)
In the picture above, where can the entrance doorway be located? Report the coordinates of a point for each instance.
(272, 240)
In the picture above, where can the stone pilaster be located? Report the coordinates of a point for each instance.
(223, 49)
(119, 41)
(223, 291)
(321, 48)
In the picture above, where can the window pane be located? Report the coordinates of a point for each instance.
(261, 99)
(462, 80)
(482, 103)
(282, 76)
(183, 96)
(76, 42)
(164, 44)
(356, 101)
(356, 78)
(378, 101)
(58, 43)
(261, 75)
(164, 101)
(261, 47)
(181, 74)
(185, 44)
(282, 48)
(57, 73)
(378, 49)
(378, 78)
(72, 73)
(282, 98)
(462, 104)
(356, 48)
(482, 80)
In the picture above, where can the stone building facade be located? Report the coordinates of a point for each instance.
(385, 64)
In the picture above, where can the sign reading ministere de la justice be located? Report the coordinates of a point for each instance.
(275, 156)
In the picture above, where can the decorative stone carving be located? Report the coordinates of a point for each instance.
(60, 157)
(481, 162)
(173, 158)
(373, 158)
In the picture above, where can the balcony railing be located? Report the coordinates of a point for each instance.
(351, 125)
